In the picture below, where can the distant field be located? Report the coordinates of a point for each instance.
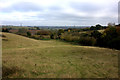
(101, 31)
(28, 58)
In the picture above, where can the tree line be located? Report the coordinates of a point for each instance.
(91, 36)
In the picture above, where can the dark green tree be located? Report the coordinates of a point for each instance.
(28, 33)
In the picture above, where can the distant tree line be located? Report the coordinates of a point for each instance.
(90, 36)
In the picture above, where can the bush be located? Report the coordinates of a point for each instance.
(75, 38)
(43, 32)
(1, 35)
(9, 71)
(35, 37)
(45, 37)
(96, 34)
(66, 37)
(22, 31)
(40, 37)
(5, 30)
(114, 43)
(60, 31)
(87, 41)
(52, 36)
(118, 30)
(28, 33)
(111, 32)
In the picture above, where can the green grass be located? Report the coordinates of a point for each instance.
(28, 58)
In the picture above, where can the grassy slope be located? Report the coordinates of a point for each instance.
(24, 57)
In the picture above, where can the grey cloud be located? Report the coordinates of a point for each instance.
(86, 7)
(71, 19)
(54, 8)
(22, 7)
(61, 16)
(55, 15)
(88, 21)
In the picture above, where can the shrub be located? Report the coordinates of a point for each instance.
(96, 34)
(1, 35)
(9, 71)
(75, 38)
(84, 35)
(43, 32)
(35, 37)
(5, 30)
(45, 37)
(60, 31)
(52, 36)
(28, 33)
(118, 30)
(87, 41)
(66, 37)
(22, 30)
(114, 43)
(111, 32)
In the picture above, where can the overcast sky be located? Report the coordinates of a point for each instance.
(58, 12)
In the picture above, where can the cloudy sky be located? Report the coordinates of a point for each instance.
(58, 12)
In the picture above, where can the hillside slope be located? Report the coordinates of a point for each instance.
(28, 58)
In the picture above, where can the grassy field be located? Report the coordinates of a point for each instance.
(28, 58)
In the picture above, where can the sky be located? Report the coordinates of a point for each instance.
(58, 12)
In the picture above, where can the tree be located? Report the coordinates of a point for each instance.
(22, 31)
(52, 36)
(60, 31)
(28, 33)
(43, 32)
(118, 30)
(92, 28)
(5, 30)
(96, 34)
(98, 27)
(111, 32)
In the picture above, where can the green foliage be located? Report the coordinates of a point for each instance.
(28, 33)
(43, 32)
(111, 33)
(66, 37)
(40, 37)
(87, 41)
(118, 31)
(114, 43)
(109, 38)
(5, 30)
(96, 34)
(35, 37)
(52, 36)
(60, 31)
(22, 31)
(86, 36)
(86, 29)
(97, 27)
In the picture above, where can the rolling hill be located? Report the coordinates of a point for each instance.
(23, 57)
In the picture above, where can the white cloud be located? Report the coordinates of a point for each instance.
(54, 12)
